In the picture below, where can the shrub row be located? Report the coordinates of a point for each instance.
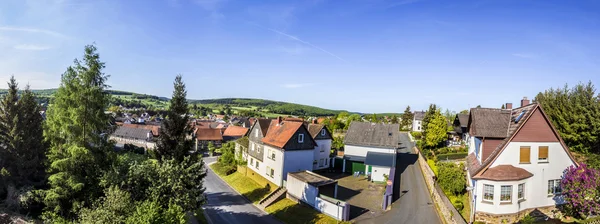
(452, 156)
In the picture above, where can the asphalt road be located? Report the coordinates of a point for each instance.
(415, 204)
(227, 206)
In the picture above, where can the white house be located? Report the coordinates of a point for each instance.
(418, 120)
(322, 137)
(277, 147)
(364, 140)
(515, 163)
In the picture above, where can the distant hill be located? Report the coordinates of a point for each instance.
(265, 107)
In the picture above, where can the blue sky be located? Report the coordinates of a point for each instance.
(356, 55)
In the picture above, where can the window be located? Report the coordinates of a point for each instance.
(505, 193)
(488, 192)
(251, 161)
(321, 162)
(252, 144)
(521, 191)
(267, 171)
(418, 128)
(554, 187)
(525, 154)
(326, 161)
(322, 132)
(272, 172)
(300, 138)
(272, 157)
(256, 133)
(256, 164)
(543, 154)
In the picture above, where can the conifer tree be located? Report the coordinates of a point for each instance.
(77, 130)
(174, 141)
(407, 118)
(428, 116)
(8, 135)
(31, 153)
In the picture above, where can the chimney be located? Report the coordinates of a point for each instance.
(315, 121)
(508, 106)
(524, 101)
(279, 120)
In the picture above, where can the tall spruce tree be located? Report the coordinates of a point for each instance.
(9, 135)
(77, 130)
(174, 141)
(428, 116)
(31, 154)
(407, 118)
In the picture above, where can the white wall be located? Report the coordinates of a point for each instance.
(416, 125)
(339, 212)
(297, 160)
(536, 187)
(377, 173)
(302, 190)
(325, 146)
(351, 150)
(276, 164)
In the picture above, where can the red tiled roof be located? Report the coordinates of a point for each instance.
(315, 129)
(504, 173)
(235, 131)
(293, 119)
(320, 120)
(203, 124)
(207, 134)
(279, 134)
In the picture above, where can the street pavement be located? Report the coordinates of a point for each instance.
(415, 204)
(225, 205)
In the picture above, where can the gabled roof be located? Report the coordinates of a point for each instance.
(463, 119)
(489, 122)
(280, 133)
(154, 128)
(518, 117)
(315, 129)
(372, 134)
(419, 115)
(129, 132)
(208, 134)
(235, 131)
(264, 125)
(505, 173)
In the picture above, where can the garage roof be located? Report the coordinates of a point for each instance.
(312, 178)
(380, 159)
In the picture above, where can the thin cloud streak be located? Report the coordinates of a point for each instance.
(522, 55)
(31, 47)
(32, 30)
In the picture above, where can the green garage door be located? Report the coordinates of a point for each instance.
(358, 167)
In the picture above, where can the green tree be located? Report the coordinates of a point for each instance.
(9, 132)
(451, 178)
(436, 130)
(464, 112)
(173, 141)
(575, 112)
(394, 119)
(352, 117)
(77, 129)
(407, 119)
(428, 116)
(374, 118)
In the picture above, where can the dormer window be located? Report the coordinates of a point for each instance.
(323, 132)
(300, 138)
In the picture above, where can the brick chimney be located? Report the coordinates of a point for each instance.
(508, 106)
(524, 101)
(279, 120)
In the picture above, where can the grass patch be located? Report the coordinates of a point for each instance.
(432, 165)
(464, 198)
(199, 214)
(252, 188)
(291, 212)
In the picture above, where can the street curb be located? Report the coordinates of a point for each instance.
(245, 198)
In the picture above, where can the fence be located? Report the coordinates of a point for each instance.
(447, 210)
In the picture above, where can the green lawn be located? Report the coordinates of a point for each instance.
(431, 164)
(253, 187)
(465, 200)
(291, 212)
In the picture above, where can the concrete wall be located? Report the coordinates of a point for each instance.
(536, 187)
(322, 158)
(302, 190)
(340, 212)
(378, 172)
(361, 151)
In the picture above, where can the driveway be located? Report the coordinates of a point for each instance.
(227, 206)
(415, 204)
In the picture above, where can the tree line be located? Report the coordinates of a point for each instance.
(65, 169)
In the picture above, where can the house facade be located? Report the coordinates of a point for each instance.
(364, 140)
(515, 163)
(205, 136)
(418, 120)
(277, 147)
(322, 152)
(140, 137)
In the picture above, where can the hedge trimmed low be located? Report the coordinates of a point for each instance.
(452, 156)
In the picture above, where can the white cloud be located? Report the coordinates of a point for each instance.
(31, 47)
(524, 55)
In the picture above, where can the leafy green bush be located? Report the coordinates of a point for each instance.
(451, 178)
(527, 220)
(416, 134)
(443, 150)
(458, 204)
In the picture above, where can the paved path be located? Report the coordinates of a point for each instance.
(415, 204)
(225, 205)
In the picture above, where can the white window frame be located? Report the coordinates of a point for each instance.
(321, 162)
(552, 188)
(545, 160)
(503, 192)
(300, 138)
(488, 188)
(322, 132)
(256, 133)
(257, 164)
(521, 191)
(272, 172)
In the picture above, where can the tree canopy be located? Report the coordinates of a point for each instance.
(407, 119)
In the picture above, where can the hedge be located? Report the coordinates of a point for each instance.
(452, 156)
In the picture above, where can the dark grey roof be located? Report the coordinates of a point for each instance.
(264, 125)
(489, 122)
(127, 132)
(463, 119)
(371, 134)
(419, 115)
(380, 159)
